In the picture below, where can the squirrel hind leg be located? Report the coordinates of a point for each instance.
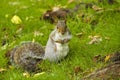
(32, 65)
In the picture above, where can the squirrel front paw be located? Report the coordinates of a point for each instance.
(60, 41)
(63, 41)
(66, 40)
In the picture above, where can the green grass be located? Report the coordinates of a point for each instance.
(81, 53)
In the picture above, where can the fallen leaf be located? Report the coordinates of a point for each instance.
(96, 8)
(107, 58)
(55, 8)
(77, 69)
(2, 69)
(37, 33)
(19, 30)
(16, 20)
(26, 74)
(38, 74)
(56, 13)
(79, 34)
(95, 39)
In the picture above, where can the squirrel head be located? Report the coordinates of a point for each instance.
(61, 27)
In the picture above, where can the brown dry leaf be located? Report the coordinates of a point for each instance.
(95, 39)
(96, 8)
(2, 69)
(57, 12)
(77, 69)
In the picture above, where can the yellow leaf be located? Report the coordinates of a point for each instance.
(16, 19)
(26, 74)
(38, 74)
(2, 69)
(107, 58)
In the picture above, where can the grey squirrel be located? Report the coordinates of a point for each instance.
(29, 54)
(57, 45)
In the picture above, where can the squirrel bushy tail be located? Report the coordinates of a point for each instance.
(27, 55)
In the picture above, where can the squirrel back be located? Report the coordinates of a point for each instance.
(27, 55)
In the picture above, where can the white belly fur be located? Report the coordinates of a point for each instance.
(62, 50)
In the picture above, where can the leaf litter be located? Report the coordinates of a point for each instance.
(16, 20)
(95, 39)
